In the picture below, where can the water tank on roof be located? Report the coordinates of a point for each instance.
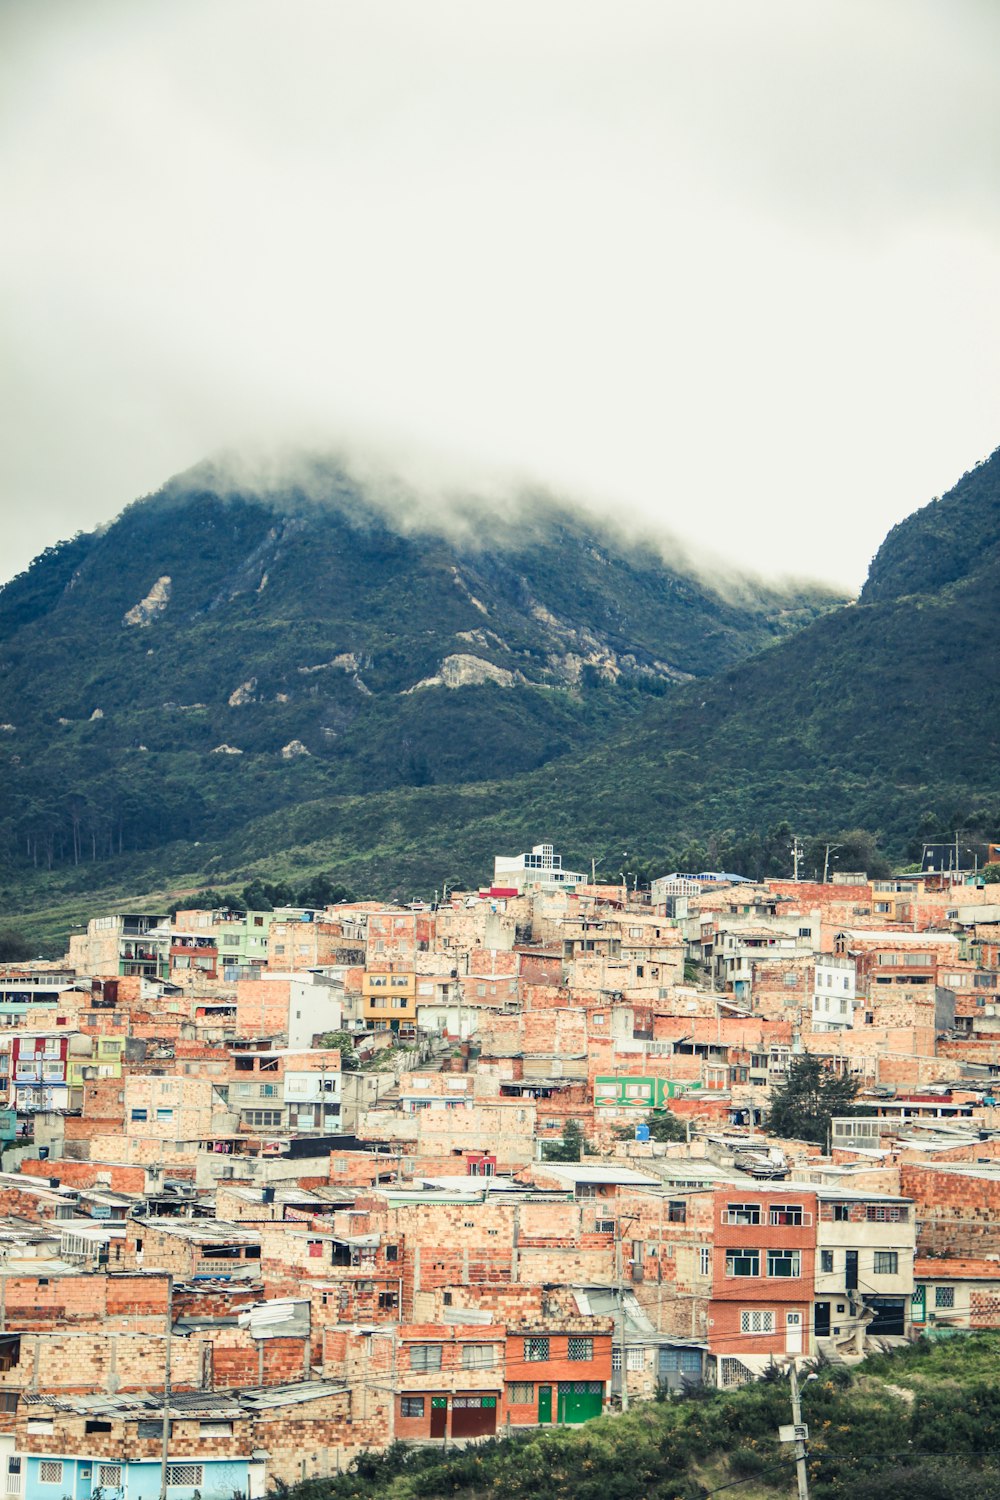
(642, 1132)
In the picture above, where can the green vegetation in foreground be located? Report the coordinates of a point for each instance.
(919, 1424)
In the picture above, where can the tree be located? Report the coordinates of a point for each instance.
(667, 1127)
(662, 1127)
(571, 1147)
(991, 874)
(14, 947)
(343, 1042)
(803, 1106)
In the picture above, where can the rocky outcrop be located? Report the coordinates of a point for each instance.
(462, 670)
(154, 604)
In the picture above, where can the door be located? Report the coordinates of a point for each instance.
(579, 1400)
(793, 1333)
(544, 1403)
(851, 1271)
(890, 1316)
(439, 1416)
(822, 1320)
(473, 1416)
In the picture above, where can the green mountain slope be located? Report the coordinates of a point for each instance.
(219, 655)
(882, 714)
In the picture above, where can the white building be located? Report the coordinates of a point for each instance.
(834, 992)
(542, 870)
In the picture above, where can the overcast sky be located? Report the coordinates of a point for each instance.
(731, 265)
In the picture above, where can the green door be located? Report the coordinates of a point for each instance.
(545, 1403)
(579, 1400)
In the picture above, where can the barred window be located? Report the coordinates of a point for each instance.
(580, 1348)
(425, 1357)
(411, 1406)
(520, 1393)
(185, 1474)
(635, 1359)
(477, 1357)
(944, 1296)
(757, 1320)
(109, 1476)
(536, 1348)
(50, 1471)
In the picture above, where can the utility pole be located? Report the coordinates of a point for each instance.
(620, 1284)
(830, 848)
(166, 1388)
(800, 1435)
(796, 853)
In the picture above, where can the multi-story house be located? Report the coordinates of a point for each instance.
(865, 1245)
(39, 1070)
(389, 998)
(763, 1267)
(131, 944)
(286, 1090)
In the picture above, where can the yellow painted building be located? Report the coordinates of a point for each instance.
(389, 1000)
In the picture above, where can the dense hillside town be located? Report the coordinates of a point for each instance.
(280, 1186)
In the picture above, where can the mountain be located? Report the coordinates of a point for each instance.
(230, 650)
(882, 715)
(624, 710)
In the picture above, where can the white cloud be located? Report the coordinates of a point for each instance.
(732, 267)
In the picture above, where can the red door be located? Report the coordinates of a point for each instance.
(439, 1416)
(473, 1416)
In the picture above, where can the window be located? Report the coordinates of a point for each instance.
(786, 1213)
(185, 1474)
(742, 1262)
(791, 980)
(886, 1263)
(635, 1359)
(164, 1114)
(784, 1263)
(109, 1476)
(743, 1213)
(153, 1429)
(536, 1348)
(425, 1357)
(392, 1252)
(876, 1214)
(388, 1301)
(477, 1357)
(579, 1348)
(944, 1296)
(757, 1320)
(705, 1260)
(140, 1114)
(411, 1406)
(50, 1471)
(826, 1260)
(841, 1213)
(520, 1393)
(677, 1213)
